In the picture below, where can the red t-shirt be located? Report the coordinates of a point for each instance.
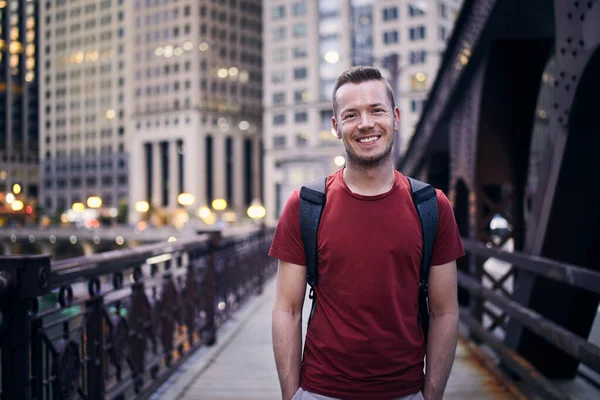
(364, 340)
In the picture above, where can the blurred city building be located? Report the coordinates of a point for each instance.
(84, 103)
(308, 44)
(196, 104)
(149, 100)
(19, 160)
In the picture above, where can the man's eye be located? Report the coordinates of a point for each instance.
(378, 110)
(348, 116)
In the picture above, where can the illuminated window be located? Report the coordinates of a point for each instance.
(418, 81)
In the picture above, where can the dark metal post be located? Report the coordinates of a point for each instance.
(210, 289)
(22, 280)
(94, 349)
(260, 244)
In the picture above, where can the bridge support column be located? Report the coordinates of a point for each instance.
(565, 215)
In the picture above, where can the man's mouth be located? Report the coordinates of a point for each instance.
(369, 139)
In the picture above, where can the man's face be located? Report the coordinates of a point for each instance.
(366, 122)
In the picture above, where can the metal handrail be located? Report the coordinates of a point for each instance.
(108, 338)
(556, 270)
(567, 341)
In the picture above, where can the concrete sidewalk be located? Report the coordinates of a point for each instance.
(241, 364)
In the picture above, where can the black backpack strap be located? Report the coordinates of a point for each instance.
(425, 201)
(312, 202)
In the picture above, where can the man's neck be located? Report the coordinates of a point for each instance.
(370, 181)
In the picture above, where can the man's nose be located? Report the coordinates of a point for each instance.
(366, 122)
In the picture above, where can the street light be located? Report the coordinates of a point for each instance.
(186, 199)
(78, 207)
(94, 202)
(339, 161)
(17, 205)
(142, 206)
(256, 211)
(219, 204)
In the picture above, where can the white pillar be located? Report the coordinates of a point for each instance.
(219, 177)
(194, 158)
(138, 178)
(173, 174)
(270, 190)
(238, 174)
(156, 178)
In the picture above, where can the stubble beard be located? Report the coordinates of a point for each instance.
(369, 162)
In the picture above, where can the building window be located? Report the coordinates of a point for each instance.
(300, 51)
(279, 54)
(301, 96)
(300, 73)
(277, 12)
(279, 98)
(417, 32)
(299, 8)
(418, 81)
(415, 10)
(301, 117)
(278, 76)
(442, 10)
(442, 33)
(278, 33)
(301, 139)
(418, 57)
(390, 37)
(390, 13)
(299, 30)
(279, 141)
(278, 119)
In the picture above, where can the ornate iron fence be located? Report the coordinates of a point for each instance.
(115, 325)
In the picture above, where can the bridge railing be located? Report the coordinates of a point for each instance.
(116, 325)
(572, 344)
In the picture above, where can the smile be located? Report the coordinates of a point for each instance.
(369, 139)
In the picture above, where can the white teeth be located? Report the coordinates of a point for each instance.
(368, 140)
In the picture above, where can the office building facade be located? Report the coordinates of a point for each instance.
(84, 103)
(144, 100)
(307, 45)
(19, 78)
(196, 111)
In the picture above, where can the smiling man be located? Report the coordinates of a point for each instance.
(364, 340)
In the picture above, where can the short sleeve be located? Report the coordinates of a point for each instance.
(448, 245)
(287, 241)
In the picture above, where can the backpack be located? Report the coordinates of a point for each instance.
(312, 202)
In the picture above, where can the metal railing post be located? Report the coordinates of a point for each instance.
(22, 280)
(210, 289)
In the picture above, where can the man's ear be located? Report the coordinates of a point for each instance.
(335, 127)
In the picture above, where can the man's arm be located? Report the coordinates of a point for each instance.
(443, 329)
(287, 325)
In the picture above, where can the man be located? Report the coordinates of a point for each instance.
(364, 340)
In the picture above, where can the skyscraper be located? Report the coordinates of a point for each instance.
(84, 104)
(307, 45)
(19, 97)
(149, 99)
(196, 109)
